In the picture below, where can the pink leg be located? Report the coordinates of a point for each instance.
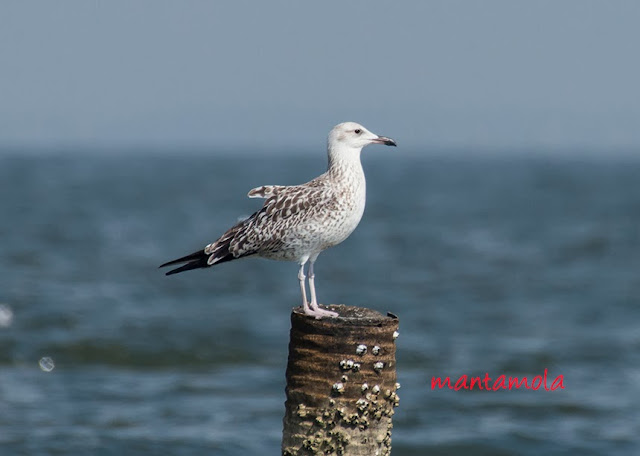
(305, 303)
(314, 302)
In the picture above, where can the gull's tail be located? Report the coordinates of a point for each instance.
(215, 253)
(195, 260)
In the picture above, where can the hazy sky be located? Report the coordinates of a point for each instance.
(473, 74)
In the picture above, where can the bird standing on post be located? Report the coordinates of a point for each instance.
(298, 222)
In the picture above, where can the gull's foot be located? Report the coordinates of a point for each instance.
(319, 313)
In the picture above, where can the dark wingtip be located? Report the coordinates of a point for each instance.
(202, 263)
(197, 255)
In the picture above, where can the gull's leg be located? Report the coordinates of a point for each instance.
(305, 303)
(312, 290)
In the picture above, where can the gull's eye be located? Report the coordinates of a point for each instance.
(357, 131)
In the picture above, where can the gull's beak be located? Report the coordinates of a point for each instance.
(384, 140)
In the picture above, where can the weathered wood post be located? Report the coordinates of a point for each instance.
(341, 384)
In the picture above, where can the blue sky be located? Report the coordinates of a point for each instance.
(432, 74)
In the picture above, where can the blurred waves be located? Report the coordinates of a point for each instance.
(499, 265)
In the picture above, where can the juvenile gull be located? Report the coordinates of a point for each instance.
(298, 222)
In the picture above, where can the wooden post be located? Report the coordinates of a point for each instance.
(341, 384)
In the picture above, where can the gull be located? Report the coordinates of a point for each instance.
(298, 222)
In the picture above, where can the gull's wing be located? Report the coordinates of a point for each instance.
(285, 209)
(266, 191)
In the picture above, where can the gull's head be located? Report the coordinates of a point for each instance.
(350, 135)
